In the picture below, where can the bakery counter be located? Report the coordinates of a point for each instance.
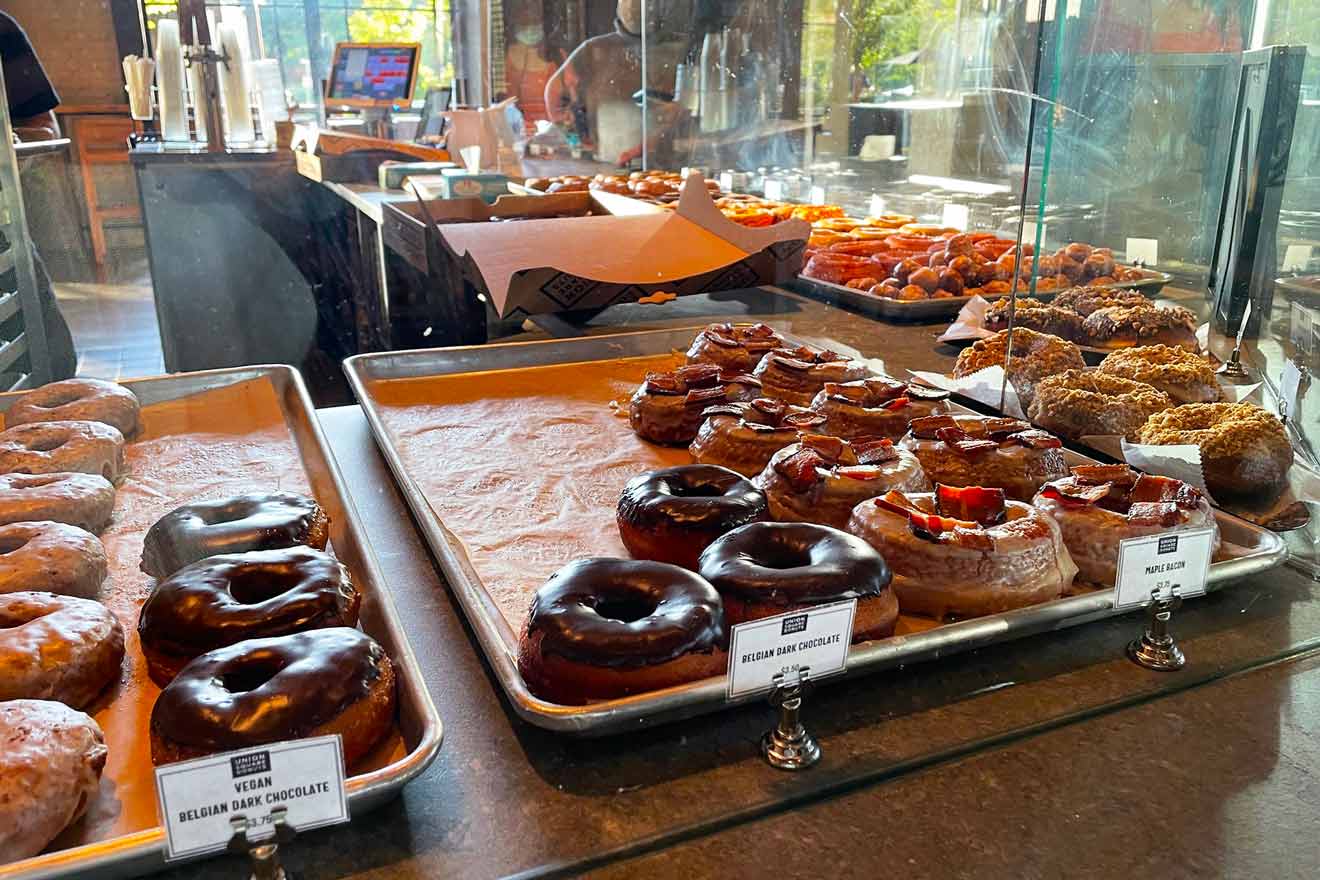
(505, 798)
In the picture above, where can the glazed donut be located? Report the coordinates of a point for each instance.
(1184, 376)
(764, 569)
(51, 556)
(1078, 403)
(83, 500)
(1102, 505)
(737, 348)
(1245, 451)
(1148, 324)
(606, 628)
(1035, 356)
(50, 771)
(673, 514)
(257, 521)
(316, 683)
(667, 407)
(821, 479)
(57, 648)
(875, 407)
(1032, 314)
(226, 599)
(1085, 300)
(973, 553)
(743, 436)
(91, 400)
(1006, 454)
(62, 447)
(796, 375)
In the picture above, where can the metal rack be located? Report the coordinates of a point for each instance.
(24, 354)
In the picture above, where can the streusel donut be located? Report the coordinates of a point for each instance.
(1245, 451)
(1035, 357)
(1149, 324)
(1184, 376)
(1078, 403)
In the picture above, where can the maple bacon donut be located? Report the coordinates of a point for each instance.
(737, 348)
(743, 436)
(667, 408)
(83, 500)
(52, 557)
(796, 375)
(57, 648)
(600, 629)
(62, 447)
(875, 407)
(316, 683)
(92, 400)
(671, 515)
(999, 453)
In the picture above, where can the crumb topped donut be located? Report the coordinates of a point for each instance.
(62, 447)
(256, 521)
(796, 375)
(57, 648)
(1080, 403)
(743, 436)
(1148, 324)
(1183, 375)
(83, 500)
(1245, 451)
(51, 556)
(737, 348)
(1035, 356)
(875, 407)
(51, 758)
(667, 408)
(92, 400)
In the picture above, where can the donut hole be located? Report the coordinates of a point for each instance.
(626, 609)
(47, 442)
(783, 556)
(249, 677)
(23, 617)
(252, 587)
(11, 543)
(705, 490)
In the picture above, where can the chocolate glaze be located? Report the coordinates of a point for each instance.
(258, 521)
(675, 611)
(279, 591)
(793, 563)
(692, 496)
(266, 690)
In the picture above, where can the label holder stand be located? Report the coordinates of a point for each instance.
(264, 856)
(789, 746)
(1156, 648)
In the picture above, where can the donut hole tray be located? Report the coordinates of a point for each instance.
(210, 434)
(511, 457)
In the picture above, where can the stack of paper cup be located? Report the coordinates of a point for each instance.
(169, 81)
(137, 78)
(234, 83)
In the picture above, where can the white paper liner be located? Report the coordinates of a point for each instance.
(970, 323)
(982, 386)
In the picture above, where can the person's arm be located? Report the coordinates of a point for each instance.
(562, 86)
(31, 96)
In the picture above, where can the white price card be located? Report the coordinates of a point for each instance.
(775, 190)
(1290, 386)
(956, 216)
(816, 639)
(1296, 258)
(198, 798)
(818, 195)
(1029, 232)
(1145, 250)
(877, 205)
(1161, 565)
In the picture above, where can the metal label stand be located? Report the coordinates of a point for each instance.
(264, 856)
(789, 746)
(1156, 648)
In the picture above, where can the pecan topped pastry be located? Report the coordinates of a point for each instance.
(1033, 314)
(743, 436)
(1085, 300)
(796, 375)
(1035, 356)
(876, 407)
(736, 347)
(667, 407)
(822, 478)
(1101, 505)
(1183, 375)
(1002, 453)
(1148, 324)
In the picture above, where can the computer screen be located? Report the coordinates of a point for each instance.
(373, 74)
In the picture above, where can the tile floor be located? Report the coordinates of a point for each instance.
(114, 327)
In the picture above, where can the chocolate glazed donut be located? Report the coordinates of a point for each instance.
(262, 691)
(764, 569)
(258, 521)
(226, 599)
(671, 515)
(605, 628)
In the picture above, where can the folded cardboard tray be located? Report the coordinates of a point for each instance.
(616, 250)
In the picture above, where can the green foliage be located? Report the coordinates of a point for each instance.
(382, 21)
(885, 29)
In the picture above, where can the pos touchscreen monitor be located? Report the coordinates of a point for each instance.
(373, 74)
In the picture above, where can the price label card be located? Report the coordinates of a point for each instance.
(1029, 232)
(877, 205)
(1299, 327)
(198, 798)
(1161, 565)
(1296, 258)
(818, 195)
(816, 639)
(1145, 250)
(956, 216)
(775, 190)
(1290, 386)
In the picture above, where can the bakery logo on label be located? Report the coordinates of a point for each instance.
(247, 765)
(794, 624)
(1168, 544)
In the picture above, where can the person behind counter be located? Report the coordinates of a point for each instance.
(603, 74)
(32, 103)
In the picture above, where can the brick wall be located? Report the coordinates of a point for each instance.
(76, 42)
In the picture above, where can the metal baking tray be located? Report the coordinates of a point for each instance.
(143, 852)
(1264, 550)
(934, 309)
